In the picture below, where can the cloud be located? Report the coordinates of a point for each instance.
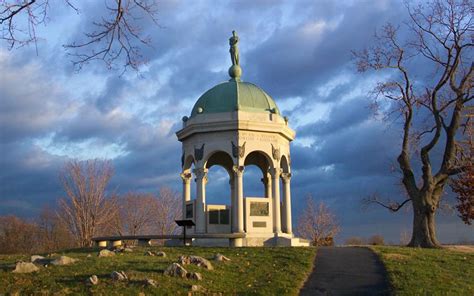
(31, 103)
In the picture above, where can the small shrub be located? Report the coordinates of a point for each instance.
(355, 241)
(376, 240)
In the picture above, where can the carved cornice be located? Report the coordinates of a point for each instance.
(234, 125)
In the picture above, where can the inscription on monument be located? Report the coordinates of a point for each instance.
(258, 224)
(258, 137)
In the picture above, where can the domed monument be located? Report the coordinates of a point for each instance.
(233, 125)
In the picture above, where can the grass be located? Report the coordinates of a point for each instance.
(262, 271)
(414, 271)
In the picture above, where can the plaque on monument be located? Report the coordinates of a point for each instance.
(259, 208)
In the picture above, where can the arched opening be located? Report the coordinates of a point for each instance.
(256, 164)
(217, 187)
(284, 165)
(218, 192)
(219, 175)
(253, 184)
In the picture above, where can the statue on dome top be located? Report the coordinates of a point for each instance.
(234, 50)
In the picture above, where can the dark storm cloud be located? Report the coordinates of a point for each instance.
(297, 58)
(29, 179)
(343, 116)
(30, 103)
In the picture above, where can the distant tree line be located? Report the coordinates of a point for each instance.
(89, 210)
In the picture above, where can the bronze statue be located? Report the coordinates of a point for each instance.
(234, 50)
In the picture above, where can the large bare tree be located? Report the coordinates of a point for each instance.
(116, 37)
(439, 39)
(86, 206)
(317, 223)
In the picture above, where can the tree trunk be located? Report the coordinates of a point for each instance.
(424, 228)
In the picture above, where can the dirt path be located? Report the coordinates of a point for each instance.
(347, 271)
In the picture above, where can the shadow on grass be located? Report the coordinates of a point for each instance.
(79, 250)
(7, 267)
(151, 270)
(81, 278)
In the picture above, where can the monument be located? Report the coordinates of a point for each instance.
(233, 125)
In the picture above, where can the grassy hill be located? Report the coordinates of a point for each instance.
(251, 271)
(414, 271)
(263, 271)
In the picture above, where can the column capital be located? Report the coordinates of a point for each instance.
(238, 170)
(275, 172)
(186, 177)
(201, 174)
(286, 177)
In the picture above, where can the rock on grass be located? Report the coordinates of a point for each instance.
(118, 276)
(25, 267)
(194, 276)
(150, 282)
(64, 260)
(220, 257)
(177, 270)
(106, 253)
(93, 280)
(196, 260)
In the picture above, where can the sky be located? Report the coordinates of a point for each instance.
(299, 52)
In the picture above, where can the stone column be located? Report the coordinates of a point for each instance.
(239, 197)
(286, 177)
(268, 186)
(233, 205)
(200, 215)
(275, 172)
(186, 191)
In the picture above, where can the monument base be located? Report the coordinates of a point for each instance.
(250, 240)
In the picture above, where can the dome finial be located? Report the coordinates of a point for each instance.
(234, 71)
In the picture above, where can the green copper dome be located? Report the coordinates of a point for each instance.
(234, 95)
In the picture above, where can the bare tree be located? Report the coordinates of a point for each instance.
(317, 223)
(463, 184)
(430, 111)
(376, 240)
(117, 35)
(86, 207)
(17, 235)
(52, 232)
(137, 213)
(168, 210)
(354, 241)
